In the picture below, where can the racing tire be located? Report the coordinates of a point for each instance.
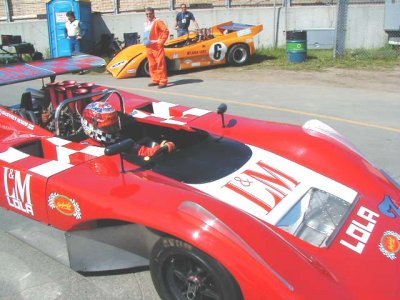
(180, 271)
(144, 68)
(238, 55)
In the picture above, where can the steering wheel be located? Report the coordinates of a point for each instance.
(191, 39)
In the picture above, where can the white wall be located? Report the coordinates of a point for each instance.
(365, 27)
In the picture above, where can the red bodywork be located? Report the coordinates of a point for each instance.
(73, 184)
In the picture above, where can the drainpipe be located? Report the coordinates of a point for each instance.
(115, 4)
(7, 8)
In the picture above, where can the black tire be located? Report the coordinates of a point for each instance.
(144, 68)
(181, 272)
(238, 55)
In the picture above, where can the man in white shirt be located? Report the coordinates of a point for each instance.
(74, 32)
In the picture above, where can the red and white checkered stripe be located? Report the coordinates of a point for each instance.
(169, 113)
(59, 154)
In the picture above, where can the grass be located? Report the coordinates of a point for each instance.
(318, 60)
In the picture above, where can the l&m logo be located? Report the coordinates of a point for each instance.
(263, 185)
(17, 190)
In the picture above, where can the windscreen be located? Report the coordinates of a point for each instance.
(315, 217)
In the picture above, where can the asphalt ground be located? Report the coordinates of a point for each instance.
(369, 118)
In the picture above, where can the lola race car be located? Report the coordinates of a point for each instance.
(225, 43)
(227, 215)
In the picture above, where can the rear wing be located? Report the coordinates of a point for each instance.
(241, 29)
(47, 68)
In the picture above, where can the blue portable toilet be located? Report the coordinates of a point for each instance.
(56, 18)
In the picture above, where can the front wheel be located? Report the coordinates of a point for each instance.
(182, 272)
(238, 55)
(144, 68)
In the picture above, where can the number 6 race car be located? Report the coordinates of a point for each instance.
(286, 212)
(228, 42)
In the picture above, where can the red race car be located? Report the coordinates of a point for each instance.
(123, 181)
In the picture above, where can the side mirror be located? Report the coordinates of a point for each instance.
(119, 148)
(222, 108)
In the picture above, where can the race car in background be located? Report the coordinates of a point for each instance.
(225, 43)
(241, 209)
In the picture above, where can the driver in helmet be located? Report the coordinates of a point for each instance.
(100, 122)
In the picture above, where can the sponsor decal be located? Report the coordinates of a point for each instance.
(263, 185)
(131, 71)
(267, 186)
(196, 52)
(244, 32)
(16, 119)
(118, 64)
(389, 208)
(390, 244)
(17, 190)
(360, 229)
(66, 206)
(217, 51)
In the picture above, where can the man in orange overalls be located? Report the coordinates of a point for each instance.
(155, 35)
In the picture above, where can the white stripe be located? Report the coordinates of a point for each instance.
(93, 150)
(172, 121)
(196, 112)
(161, 109)
(64, 153)
(12, 155)
(50, 168)
(58, 142)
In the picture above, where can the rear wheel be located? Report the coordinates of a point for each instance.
(144, 68)
(238, 55)
(183, 272)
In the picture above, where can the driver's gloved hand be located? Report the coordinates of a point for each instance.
(169, 146)
(148, 152)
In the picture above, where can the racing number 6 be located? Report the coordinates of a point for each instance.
(217, 51)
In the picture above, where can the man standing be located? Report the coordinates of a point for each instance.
(155, 35)
(183, 19)
(74, 32)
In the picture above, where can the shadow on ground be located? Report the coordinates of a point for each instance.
(185, 81)
(256, 59)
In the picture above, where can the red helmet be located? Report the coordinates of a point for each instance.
(100, 121)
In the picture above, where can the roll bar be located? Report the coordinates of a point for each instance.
(104, 96)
